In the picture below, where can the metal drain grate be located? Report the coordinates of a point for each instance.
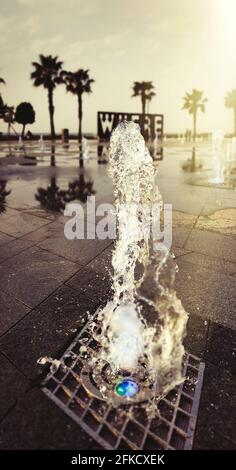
(127, 427)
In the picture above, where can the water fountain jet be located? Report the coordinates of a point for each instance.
(128, 342)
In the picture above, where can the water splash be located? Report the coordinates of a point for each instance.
(143, 277)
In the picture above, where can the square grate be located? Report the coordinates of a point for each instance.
(174, 422)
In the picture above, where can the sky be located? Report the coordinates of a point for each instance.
(178, 44)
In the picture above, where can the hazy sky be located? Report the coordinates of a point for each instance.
(179, 44)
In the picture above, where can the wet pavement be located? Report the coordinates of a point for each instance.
(49, 285)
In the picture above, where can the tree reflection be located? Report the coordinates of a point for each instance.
(55, 199)
(191, 165)
(51, 198)
(3, 195)
(82, 187)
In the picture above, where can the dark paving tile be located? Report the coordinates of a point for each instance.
(20, 224)
(52, 229)
(212, 244)
(217, 409)
(91, 283)
(5, 239)
(213, 264)
(37, 423)
(12, 310)
(177, 252)
(102, 263)
(213, 441)
(34, 274)
(13, 248)
(221, 347)
(12, 385)
(196, 337)
(179, 236)
(8, 213)
(212, 295)
(40, 212)
(47, 329)
(80, 251)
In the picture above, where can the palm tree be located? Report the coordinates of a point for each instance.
(47, 74)
(78, 83)
(230, 102)
(145, 90)
(193, 102)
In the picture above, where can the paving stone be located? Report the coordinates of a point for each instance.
(102, 264)
(52, 229)
(80, 251)
(34, 274)
(46, 330)
(177, 252)
(12, 311)
(212, 244)
(4, 239)
(221, 221)
(221, 347)
(36, 423)
(213, 440)
(204, 261)
(212, 295)
(91, 283)
(196, 335)
(8, 213)
(217, 409)
(20, 224)
(13, 248)
(180, 236)
(12, 385)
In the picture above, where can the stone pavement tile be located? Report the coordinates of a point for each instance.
(12, 385)
(212, 295)
(221, 347)
(40, 212)
(217, 409)
(180, 236)
(13, 248)
(34, 274)
(20, 224)
(47, 330)
(183, 219)
(102, 263)
(212, 244)
(91, 283)
(4, 239)
(177, 252)
(79, 251)
(51, 229)
(222, 221)
(36, 423)
(196, 337)
(12, 311)
(214, 264)
(8, 212)
(213, 441)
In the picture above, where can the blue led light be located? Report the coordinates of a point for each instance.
(126, 388)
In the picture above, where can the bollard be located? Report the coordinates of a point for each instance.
(65, 136)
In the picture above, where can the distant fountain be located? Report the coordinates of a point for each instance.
(85, 149)
(20, 144)
(145, 358)
(41, 144)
